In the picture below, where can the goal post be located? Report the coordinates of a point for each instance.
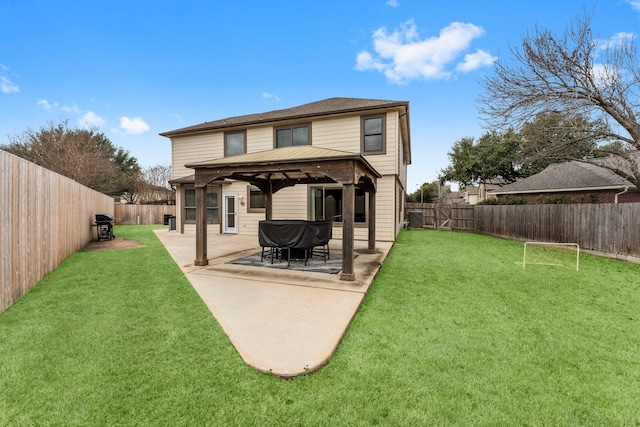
(552, 253)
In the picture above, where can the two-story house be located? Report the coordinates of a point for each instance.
(339, 159)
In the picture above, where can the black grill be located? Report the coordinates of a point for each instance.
(104, 226)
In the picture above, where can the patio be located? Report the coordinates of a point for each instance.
(281, 321)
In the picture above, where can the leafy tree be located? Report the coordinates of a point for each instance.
(84, 155)
(426, 193)
(551, 137)
(491, 158)
(573, 74)
(556, 137)
(463, 160)
(497, 153)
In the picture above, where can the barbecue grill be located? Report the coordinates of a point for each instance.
(104, 226)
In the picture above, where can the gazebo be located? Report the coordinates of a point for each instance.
(279, 168)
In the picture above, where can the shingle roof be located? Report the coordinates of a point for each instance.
(570, 176)
(324, 107)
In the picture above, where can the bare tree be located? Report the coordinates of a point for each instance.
(573, 74)
(152, 186)
(84, 155)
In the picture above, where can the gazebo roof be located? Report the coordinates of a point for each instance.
(288, 166)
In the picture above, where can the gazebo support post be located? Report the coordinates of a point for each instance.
(371, 248)
(201, 226)
(268, 202)
(348, 204)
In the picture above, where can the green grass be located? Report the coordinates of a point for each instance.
(453, 332)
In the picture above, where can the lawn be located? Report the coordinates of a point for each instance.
(452, 332)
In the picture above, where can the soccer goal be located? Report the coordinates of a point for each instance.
(549, 253)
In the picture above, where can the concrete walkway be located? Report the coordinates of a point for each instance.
(280, 321)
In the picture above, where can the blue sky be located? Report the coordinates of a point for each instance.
(135, 69)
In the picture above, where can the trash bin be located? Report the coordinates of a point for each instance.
(166, 218)
(172, 223)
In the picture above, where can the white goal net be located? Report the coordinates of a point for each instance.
(550, 253)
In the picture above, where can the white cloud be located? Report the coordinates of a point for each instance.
(402, 55)
(268, 95)
(393, 3)
(91, 119)
(73, 109)
(634, 4)
(473, 61)
(134, 126)
(617, 40)
(56, 105)
(47, 105)
(7, 86)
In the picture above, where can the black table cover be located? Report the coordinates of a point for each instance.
(294, 233)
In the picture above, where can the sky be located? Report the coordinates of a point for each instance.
(134, 69)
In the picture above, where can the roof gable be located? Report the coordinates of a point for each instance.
(569, 176)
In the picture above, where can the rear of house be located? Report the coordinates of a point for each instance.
(376, 129)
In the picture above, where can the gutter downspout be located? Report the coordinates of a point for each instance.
(618, 194)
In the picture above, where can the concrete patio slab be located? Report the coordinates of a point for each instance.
(280, 321)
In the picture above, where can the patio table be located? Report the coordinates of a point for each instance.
(288, 234)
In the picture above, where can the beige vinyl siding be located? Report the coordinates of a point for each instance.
(259, 139)
(339, 133)
(385, 209)
(343, 133)
(387, 164)
(402, 165)
(291, 203)
(179, 192)
(189, 149)
(399, 207)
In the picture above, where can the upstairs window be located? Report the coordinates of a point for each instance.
(235, 143)
(373, 131)
(287, 136)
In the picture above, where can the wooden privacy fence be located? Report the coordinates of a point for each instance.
(142, 214)
(444, 217)
(601, 227)
(44, 218)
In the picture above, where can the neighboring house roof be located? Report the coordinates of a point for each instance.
(471, 190)
(569, 176)
(325, 107)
